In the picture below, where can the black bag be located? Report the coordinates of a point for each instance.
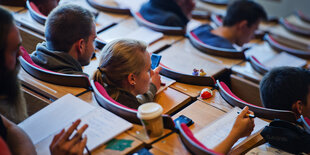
(287, 136)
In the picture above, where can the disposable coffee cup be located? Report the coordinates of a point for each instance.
(150, 116)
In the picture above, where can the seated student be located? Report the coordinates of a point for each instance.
(168, 12)
(241, 20)
(12, 102)
(125, 72)
(70, 32)
(45, 6)
(287, 88)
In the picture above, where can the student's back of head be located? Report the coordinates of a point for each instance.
(286, 88)
(67, 24)
(244, 10)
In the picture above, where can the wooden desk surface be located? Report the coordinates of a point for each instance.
(263, 52)
(201, 113)
(12, 8)
(129, 25)
(183, 57)
(217, 101)
(49, 90)
(103, 21)
(171, 100)
(190, 90)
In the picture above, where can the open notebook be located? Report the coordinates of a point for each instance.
(43, 125)
(143, 34)
(285, 59)
(217, 131)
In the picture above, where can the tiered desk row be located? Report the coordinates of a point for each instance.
(178, 98)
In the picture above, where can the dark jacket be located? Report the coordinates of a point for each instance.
(203, 32)
(164, 12)
(56, 61)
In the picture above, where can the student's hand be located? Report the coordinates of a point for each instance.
(156, 77)
(244, 125)
(62, 145)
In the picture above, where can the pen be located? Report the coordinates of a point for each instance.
(248, 115)
(88, 152)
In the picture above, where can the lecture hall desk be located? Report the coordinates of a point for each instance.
(202, 114)
(264, 52)
(129, 25)
(48, 90)
(184, 57)
(170, 99)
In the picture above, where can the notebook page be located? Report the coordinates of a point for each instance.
(103, 126)
(54, 117)
(285, 59)
(143, 34)
(216, 132)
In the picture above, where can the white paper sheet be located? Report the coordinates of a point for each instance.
(216, 132)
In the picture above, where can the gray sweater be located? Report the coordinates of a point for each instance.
(57, 61)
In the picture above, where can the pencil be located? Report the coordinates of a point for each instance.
(88, 152)
(248, 115)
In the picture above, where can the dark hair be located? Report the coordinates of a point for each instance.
(67, 24)
(6, 23)
(283, 86)
(244, 10)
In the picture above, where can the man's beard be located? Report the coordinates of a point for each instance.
(9, 85)
(12, 102)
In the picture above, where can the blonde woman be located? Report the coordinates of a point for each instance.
(126, 74)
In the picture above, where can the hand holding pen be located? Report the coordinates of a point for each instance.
(244, 123)
(62, 145)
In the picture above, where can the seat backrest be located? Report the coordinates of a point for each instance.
(275, 42)
(217, 19)
(218, 51)
(49, 76)
(35, 12)
(261, 112)
(257, 65)
(107, 8)
(186, 78)
(121, 110)
(302, 16)
(170, 30)
(191, 143)
(295, 28)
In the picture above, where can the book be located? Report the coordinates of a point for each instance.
(285, 59)
(217, 131)
(43, 125)
(143, 34)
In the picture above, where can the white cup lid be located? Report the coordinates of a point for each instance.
(149, 111)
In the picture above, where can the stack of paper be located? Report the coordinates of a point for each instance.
(43, 125)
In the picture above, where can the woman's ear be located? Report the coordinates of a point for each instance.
(297, 107)
(131, 79)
